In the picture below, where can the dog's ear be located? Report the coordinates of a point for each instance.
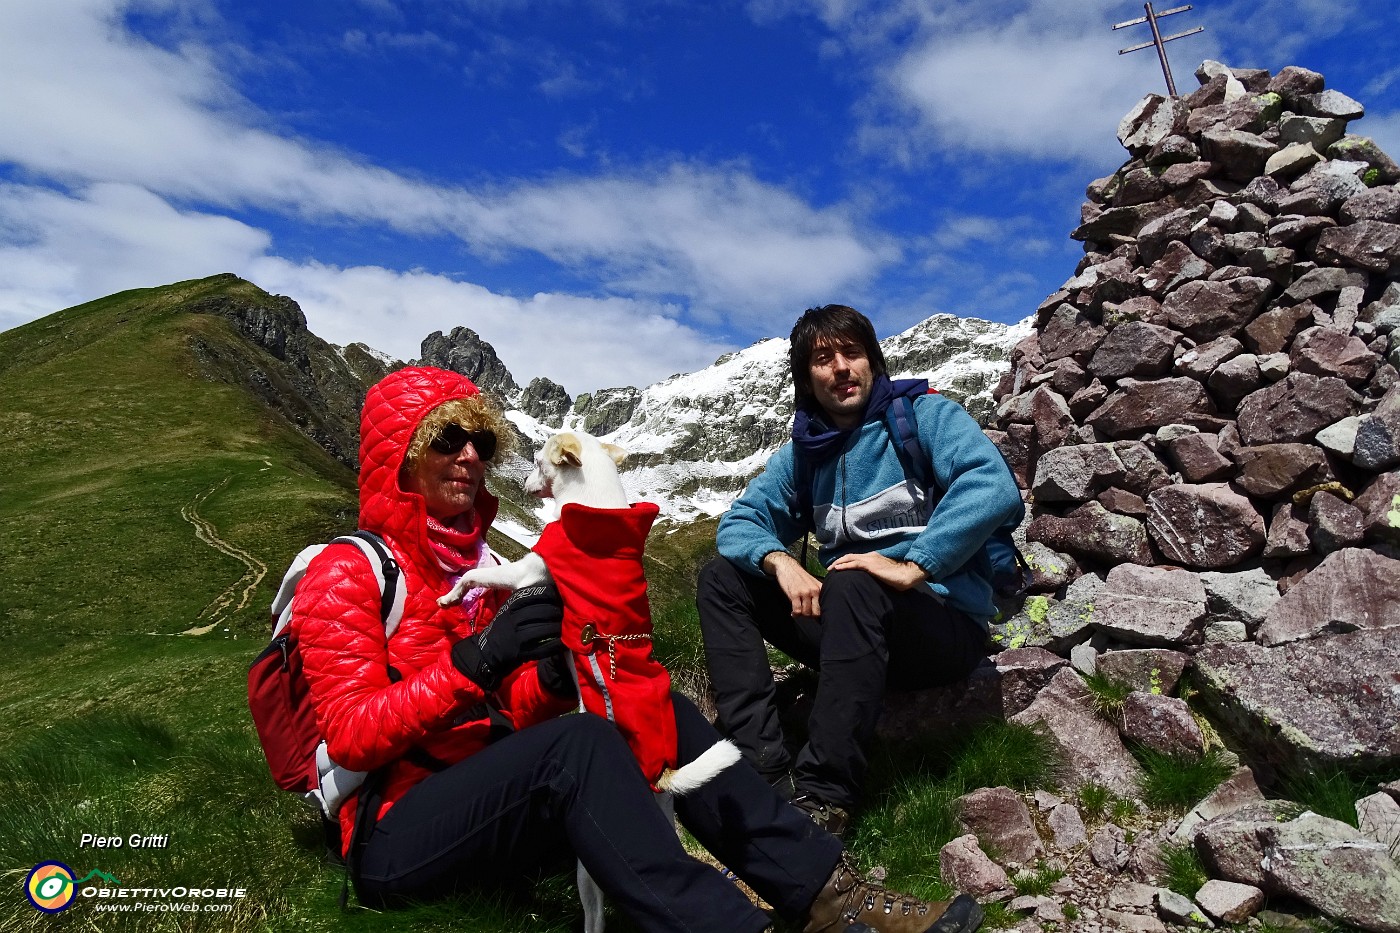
(617, 453)
(565, 449)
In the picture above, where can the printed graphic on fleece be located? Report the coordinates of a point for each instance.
(595, 558)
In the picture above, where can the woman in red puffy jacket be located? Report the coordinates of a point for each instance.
(476, 778)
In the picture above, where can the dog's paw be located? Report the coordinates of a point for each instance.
(454, 596)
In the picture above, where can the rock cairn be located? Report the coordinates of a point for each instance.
(1206, 424)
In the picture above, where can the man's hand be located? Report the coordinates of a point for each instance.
(896, 574)
(801, 588)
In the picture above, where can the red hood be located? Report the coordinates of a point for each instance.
(393, 408)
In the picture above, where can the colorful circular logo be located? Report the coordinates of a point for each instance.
(50, 887)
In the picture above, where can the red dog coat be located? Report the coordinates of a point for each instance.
(595, 558)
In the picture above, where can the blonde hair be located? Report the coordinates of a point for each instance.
(473, 413)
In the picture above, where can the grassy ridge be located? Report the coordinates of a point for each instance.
(109, 433)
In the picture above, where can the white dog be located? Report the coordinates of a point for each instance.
(594, 556)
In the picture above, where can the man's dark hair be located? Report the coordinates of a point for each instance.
(833, 324)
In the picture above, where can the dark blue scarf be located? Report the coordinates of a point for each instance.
(817, 440)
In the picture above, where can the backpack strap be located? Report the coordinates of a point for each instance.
(904, 431)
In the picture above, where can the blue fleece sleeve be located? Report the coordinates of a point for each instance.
(760, 521)
(979, 495)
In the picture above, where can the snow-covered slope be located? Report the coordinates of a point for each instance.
(695, 440)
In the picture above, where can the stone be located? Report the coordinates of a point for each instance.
(1239, 155)
(1353, 588)
(1331, 104)
(1200, 361)
(1050, 569)
(1325, 280)
(1066, 376)
(1377, 443)
(1364, 149)
(1324, 188)
(1133, 923)
(1367, 244)
(1293, 82)
(1024, 672)
(1176, 908)
(1292, 160)
(1091, 748)
(1002, 823)
(1067, 827)
(1070, 332)
(1293, 409)
(1154, 671)
(1272, 471)
(1378, 816)
(1207, 310)
(1234, 379)
(1236, 792)
(1206, 526)
(1114, 222)
(1174, 150)
(1324, 351)
(1288, 533)
(1186, 173)
(1149, 122)
(1093, 532)
(964, 865)
(1134, 349)
(1077, 473)
(1230, 846)
(1244, 596)
(1044, 622)
(1229, 902)
(1198, 458)
(1297, 229)
(1318, 132)
(1174, 226)
(1084, 659)
(1274, 366)
(1331, 866)
(1163, 724)
(1273, 330)
(1329, 699)
(1333, 524)
(1152, 606)
(1108, 848)
(1046, 801)
(1223, 631)
(1380, 508)
(1340, 438)
(1145, 472)
(1139, 406)
(1381, 204)
(1123, 502)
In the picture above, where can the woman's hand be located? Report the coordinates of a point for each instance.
(527, 628)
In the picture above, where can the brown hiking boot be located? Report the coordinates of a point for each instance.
(848, 900)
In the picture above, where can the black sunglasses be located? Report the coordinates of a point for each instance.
(453, 437)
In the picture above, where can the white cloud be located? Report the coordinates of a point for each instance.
(87, 102)
(581, 343)
(58, 250)
(61, 249)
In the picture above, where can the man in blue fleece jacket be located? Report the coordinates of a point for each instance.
(906, 598)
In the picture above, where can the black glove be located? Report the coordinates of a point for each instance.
(556, 673)
(526, 628)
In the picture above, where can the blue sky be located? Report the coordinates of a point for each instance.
(609, 192)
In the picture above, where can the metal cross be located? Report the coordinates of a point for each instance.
(1157, 39)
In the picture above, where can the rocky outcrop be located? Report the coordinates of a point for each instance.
(463, 351)
(546, 401)
(300, 377)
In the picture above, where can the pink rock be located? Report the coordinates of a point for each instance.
(1228, 901)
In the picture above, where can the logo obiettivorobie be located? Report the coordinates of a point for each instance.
(50, 887)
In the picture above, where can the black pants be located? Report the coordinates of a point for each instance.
(869, 638)
(571, 785)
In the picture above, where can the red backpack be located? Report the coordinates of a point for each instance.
(277, 691)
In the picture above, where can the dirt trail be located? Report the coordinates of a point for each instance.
(240, 592)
